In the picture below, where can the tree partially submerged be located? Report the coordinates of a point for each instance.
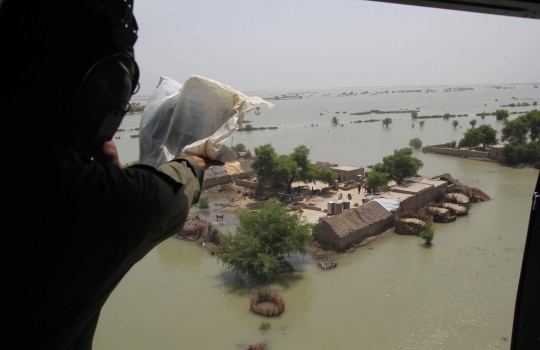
(415, 143)
(427, 233)
(516, 134)
(387, 121)
(484, 134)
(263, 241)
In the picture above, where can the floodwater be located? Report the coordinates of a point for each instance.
(394, 294)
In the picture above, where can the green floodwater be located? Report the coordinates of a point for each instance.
(394, 294)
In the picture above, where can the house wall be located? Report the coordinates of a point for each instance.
(216, 181)
(245, 183)
(496, 153)
(324, 233)
(346, 175)
(456, 152)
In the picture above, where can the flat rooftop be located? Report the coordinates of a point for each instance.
(410, 187)
(346, 167)
(400, 197)
(435, 183)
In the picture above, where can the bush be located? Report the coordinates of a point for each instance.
(264, 326)
(428, 233)
(203, 202)
(453, 144)
(415, 143)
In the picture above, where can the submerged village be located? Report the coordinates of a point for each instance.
(345, 214)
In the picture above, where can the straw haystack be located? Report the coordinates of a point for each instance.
(409, 226)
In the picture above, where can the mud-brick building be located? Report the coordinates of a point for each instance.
(407, 202)
(354, 225)
(219, 175)
(424, 190)
(347, 172)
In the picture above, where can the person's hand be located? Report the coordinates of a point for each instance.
(204, 163)
(108, 154)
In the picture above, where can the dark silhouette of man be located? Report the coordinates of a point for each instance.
(80, 220)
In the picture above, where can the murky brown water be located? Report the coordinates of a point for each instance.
(394, 294)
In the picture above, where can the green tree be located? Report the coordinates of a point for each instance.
(239, 147)
(471, 138)
(422, 123)
(334, 121)
(446, 116)
(489, 135)
(387, 121)
(501, 114)
(286, 171)
(533, 122)
(248, 127)
(400, 165)
(326, 175)
(528, 153)
(427, 233)
(377, 180)
(263, 164)
(455, 123)
(263, 241)
(473, 123)
(415, 143)
(515, 131)
(453, 144)
(414, 114)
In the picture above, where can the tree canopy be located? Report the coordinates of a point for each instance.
(516, 133)
(414, 114)
(263, 240)
(484, 134)
(334, 121)
(239, 147)
(399, 165)
(422, 122)
(473, 123)
(501, 114)
(377, 179)
(286, 169)
(455, 123)
(415, 143)
(387, 121)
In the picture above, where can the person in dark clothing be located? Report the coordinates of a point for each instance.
(86, 220)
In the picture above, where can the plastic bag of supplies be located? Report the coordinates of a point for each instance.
(195, 119)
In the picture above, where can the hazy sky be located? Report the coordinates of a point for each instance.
(260, 45)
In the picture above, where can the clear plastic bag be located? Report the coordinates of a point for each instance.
(195, 118)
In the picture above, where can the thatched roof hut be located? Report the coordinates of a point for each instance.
(354, 225)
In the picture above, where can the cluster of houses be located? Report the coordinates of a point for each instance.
(351, 224)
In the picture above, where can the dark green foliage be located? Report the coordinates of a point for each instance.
(422, 123)
(455, 123)
(453, 144)
(334, 121)
(515, 131)
(387, 121)
(446, 116)
(377, 180)
(414, 114)
(473, 123)
(488, 135)
(415, 143)
(239, 147)
(400, 165)
(263, 240)
(471, 138)
(528, 153)
(501, 114)
(428, 233)
(203, 202)
(264, 326)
